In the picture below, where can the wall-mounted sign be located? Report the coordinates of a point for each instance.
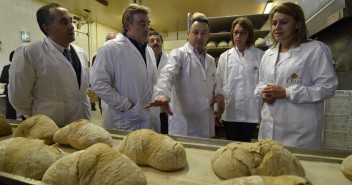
(25, 37)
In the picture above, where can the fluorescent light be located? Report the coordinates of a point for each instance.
(268, 6)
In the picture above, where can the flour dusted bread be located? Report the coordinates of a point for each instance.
(267, 180)
(5, 128)
(27, 157)
(346, 167)
(146, 147)
(96, 165)
(267, 158)
(37, 127)
(82, 134)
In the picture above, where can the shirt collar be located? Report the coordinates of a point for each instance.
(135, 43)
(58, 46)
(196, 51)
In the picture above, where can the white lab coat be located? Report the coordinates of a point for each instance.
(163, 61)
(42, 81)
(192, 89)
(119, 75)
(308, 76)
(238, 76)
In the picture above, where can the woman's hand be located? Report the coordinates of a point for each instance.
(273, 92)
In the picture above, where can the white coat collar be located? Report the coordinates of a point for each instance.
(189, 50)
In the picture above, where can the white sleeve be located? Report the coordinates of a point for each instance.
(323, 77)
(102, 80)
(168, 74)
(21, 81)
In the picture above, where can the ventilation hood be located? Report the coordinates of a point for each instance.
(334, 11)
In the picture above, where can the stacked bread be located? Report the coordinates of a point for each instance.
(96, 165)
(37, 127)
(267, 180)
(5, 128)
(346, 167)
(146, 147)
(82, 134)
(267, 158)
(27, 157)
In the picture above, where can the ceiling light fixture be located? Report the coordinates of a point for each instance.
(268, 6)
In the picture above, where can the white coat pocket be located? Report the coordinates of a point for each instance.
(135, 116)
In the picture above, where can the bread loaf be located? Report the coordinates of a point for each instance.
(267, 158)
(146, 147)
(96, 165)
(267, 180)
(37, 127)
(82, 134)
(5, 128)
(346, 167)
(27, 157)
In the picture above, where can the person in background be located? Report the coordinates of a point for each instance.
(51, 77)
(238, 72)
(125, 72)
(155, 41)
(102, 105)
(296, 75)
(189, 77)
(10, 111)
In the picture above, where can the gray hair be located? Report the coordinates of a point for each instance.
(129, 11)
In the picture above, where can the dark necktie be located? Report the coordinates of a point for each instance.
(67, 54)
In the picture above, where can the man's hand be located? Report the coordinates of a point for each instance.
(220, 103)
(160, 101)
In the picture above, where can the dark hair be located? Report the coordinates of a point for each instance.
(200, 17)
(295, 11)
(247, 26)
(156, 33)
(44, 16)
(11, 55)
(129, 11)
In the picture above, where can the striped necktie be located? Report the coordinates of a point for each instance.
(67, 54)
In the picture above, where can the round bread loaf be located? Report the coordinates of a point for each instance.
(267, 180)
(267, 158)
(146, 147)
(211, 44)
(27, 157)
(37, 127)
(96, 165)
(82, 134)
(346, 167)
(5, 128)
(223, 44)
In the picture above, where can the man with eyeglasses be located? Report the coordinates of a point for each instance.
(125, 73)
(238, 72)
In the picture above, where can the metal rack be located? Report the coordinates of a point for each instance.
(337, 133)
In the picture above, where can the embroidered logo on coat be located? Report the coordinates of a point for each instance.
(294, 79)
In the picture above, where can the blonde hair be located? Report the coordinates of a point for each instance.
(295, 11)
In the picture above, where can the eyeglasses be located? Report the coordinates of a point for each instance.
(236, 33)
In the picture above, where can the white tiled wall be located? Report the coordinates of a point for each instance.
(20, 15)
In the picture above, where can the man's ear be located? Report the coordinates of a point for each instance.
(126, 25)
(46, 28)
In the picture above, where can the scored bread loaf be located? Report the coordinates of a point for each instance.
(96, 165)
(267, 180)
(27, 157)
(146, 147)
(346, 167)
(265, 157)
(82, 134)
(5, 128)
(38, 126)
